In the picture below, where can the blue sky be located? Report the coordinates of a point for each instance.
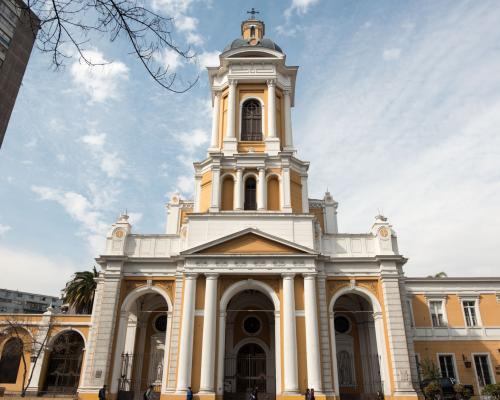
(397, 108)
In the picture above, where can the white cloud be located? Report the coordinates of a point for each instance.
(134, 218)
(4, 229)
(194, 39)
(186, 23)
(99, 82)
(300, 7)
(391, 54)
(191, 141)
(185, 184)
(94, 139)
(172, 7)
(169, 59)
(23, 263)
(109, 161)
(419, 138)
(80, 209)
(208, 59)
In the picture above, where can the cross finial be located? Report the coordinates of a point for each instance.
(253, 12)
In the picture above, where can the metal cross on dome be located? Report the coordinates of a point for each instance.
(253, 12)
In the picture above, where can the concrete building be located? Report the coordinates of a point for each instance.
(16, 302)
(253, 285)
(18, 29)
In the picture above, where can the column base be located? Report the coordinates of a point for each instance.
(229, 146)
(272, 146)
(213, 209)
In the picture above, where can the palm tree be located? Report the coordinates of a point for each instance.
(441, 274)
(79, 291)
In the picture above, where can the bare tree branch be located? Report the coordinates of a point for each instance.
(66, 27)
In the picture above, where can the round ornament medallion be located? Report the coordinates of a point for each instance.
(384, 232)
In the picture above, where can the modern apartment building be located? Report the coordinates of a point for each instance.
(15, 302)
(18, 29)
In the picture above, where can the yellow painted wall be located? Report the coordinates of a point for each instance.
(296, 192)
(430, 349)
(250, 244)
(421, 314)
(223, 117)
(301, 352)
(273, 194)
(197, 350)
(264, 334)
(227, 196)
(489, 308)
(454, 312)
(206, 191)
(200, 292)
(299, 292)
(280, 123)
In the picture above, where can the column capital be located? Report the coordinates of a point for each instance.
(287, 91)
(288, 275)
(217, 92)
(211, 275)
(232, 82)
(310, 275)
(261, 168)
(190, 275)
(271, 82)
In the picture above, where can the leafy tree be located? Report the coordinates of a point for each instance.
(68, 26)
(430, 370)
(79, 291)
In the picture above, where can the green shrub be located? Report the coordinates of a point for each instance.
(462, 393)
(433, 391)
(492, 390)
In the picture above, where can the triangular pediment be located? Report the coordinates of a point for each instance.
(251, 242)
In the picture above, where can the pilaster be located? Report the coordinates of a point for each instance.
(396, 332)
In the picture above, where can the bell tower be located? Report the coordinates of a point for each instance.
(251, 163)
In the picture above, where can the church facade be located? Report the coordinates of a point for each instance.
(253, 287)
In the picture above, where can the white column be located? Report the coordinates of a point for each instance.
(261, 191)
(221, 349)
(209, 326)
(238, 190)
(197, 192)
(231, 109)
(187, 327)
(289, 335)
(214, 141)
(285, 186)
(305, 194)
(288, 120)
(215, 199)
(271, 100)
(312, 333)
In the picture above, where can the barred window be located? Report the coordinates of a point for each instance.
(251, 123)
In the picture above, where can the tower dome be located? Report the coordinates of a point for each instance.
(252, 35)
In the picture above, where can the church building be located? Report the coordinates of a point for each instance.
(252, 286)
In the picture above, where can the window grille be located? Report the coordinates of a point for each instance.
(251, 123)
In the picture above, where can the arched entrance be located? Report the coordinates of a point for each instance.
(64, 363)
(249, 346)
(10, 360)
(358, 345)
(251, 371)
(142, 352)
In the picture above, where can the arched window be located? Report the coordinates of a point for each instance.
(10, 361)
(252, 31)
(251, 122)
(250, 194)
